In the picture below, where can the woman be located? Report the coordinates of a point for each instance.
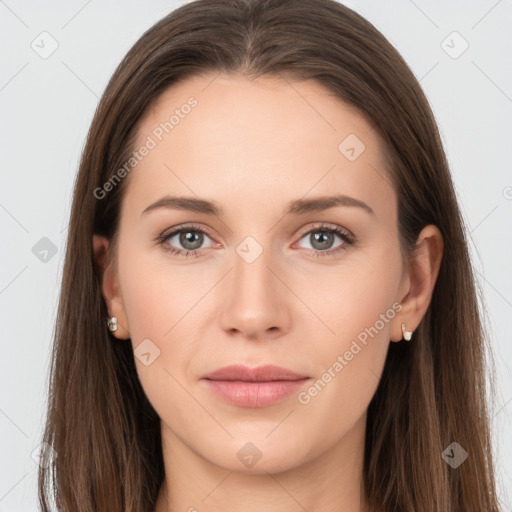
(204, 357)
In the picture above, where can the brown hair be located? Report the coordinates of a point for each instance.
(432, 391)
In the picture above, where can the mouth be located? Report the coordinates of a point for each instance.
(253, 387)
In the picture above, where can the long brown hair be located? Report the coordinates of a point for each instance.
(105, 433)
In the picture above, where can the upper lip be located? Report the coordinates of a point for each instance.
(259, 374)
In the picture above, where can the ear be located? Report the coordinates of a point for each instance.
(419, 280)
(110, 286)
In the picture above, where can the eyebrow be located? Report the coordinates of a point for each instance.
(295, 207)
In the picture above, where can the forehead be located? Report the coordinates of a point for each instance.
(267, 140)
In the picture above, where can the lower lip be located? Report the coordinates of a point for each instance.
(254, 394)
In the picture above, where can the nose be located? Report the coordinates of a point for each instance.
(255, 299)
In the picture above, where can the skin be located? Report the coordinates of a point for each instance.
(254, 146)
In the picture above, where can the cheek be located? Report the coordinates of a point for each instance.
(157, 298)
(357, 304)
(155, 294)
(351, 298)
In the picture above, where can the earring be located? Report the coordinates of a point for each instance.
(406, 334)
(112, 324)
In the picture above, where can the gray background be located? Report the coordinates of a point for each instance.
(47, 105)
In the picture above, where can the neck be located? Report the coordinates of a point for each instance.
(331, 481)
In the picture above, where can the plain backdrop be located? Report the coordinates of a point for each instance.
(460, 51)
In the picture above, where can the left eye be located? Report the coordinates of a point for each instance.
(322, 239)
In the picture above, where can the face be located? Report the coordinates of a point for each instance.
(255, 270)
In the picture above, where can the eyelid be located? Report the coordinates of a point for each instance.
(182, 227)
(328, 226)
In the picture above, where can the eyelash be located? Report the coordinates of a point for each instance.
(348, 240)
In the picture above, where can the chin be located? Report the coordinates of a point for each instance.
(257, 455)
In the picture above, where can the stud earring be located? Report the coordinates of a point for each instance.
(112, 324)
(406, 334)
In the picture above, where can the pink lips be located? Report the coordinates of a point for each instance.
(256, 387)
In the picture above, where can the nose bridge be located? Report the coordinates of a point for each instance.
(251, 272)
(254, 301)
